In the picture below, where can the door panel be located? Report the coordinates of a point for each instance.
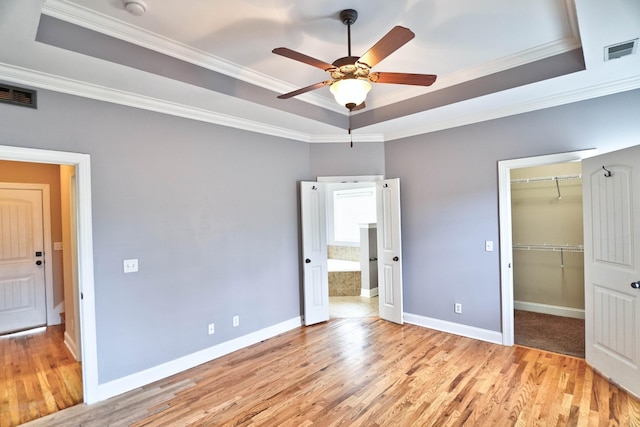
(389, 251)
(22, 285)
(612, 257)
(314, 253)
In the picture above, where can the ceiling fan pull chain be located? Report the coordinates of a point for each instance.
(351, 135)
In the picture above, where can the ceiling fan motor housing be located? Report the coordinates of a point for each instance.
(348, 16)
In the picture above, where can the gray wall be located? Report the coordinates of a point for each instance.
(449, 192)
(210, 212)
(339, 159)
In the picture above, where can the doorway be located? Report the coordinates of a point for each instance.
(351, 249)
(548, 262)
(314, 251)
(85, 285)
(506, 229)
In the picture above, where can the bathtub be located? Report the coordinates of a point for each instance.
(344, 277)
(342, 265)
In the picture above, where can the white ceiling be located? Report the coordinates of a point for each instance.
(459, 41)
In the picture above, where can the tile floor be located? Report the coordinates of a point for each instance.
(340, 307)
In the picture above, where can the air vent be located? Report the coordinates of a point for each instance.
(619, 50)
(18, 96)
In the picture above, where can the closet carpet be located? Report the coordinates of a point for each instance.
(558, 334)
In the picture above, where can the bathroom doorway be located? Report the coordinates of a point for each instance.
(351, 249)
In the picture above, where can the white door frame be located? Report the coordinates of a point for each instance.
(85, 253)
(506, 238)
(53, 317)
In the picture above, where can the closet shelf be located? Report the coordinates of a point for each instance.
(550, 248)
(547, 178)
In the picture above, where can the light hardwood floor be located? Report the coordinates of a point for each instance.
(38, 376)
(368, 372)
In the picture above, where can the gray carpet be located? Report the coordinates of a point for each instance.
(558, 334)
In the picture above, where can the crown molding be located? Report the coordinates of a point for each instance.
(524, 57)
(567, 97)
(107, 25)
(69, 86)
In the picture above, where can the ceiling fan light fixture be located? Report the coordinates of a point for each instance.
(350, 91)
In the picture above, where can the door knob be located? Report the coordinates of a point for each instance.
(635, 285)
(307, 260)
(38, 262)
(395, 258)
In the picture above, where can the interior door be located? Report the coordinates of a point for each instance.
(389, 250)
(611, 186)
(314, 252)
(22, 277)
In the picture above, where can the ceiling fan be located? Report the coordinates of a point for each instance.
(351, 75)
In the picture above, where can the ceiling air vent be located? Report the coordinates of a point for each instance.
(619, 50)
(18, 96)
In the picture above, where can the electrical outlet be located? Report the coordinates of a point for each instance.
(236, 321)
(457, 308)
(212, 328)
(130, 265)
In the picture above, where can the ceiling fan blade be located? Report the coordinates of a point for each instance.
(297, 56)
(388, 44)
(305, 89)
(403, 78)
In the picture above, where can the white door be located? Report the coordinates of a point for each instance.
(612, 265)
(389, 250)
(22, 284)
(314, 252)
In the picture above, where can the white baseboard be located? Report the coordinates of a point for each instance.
(454, 328)
(556, 310)
(72, 346)
(53, 316)
(369, 293)
(139, 379)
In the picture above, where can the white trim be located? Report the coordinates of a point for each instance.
(69, 86)
(103, 24)
(454, 328)
(53, 317)
(506, 238)
(71, 345)
(369, 293)
(350, 178)
(139, 379)
(82, 163)
(556, 310)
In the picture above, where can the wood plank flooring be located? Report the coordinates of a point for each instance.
(368, 372)
(38, 376)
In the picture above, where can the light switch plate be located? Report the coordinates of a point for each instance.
(130, 265)
(488, 245)
(57, 246)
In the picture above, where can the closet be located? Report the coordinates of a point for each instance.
(548, 262)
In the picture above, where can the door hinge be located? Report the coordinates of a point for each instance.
(81, 295)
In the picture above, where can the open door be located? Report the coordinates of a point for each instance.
(611, 185)
(389, 251)
(314, 252)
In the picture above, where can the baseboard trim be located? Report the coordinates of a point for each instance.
(454, 328)
(556, 310)
(71, 345)
(369, 293)
(139, 379)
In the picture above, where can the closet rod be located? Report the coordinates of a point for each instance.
(545, 178)
(550, 248)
